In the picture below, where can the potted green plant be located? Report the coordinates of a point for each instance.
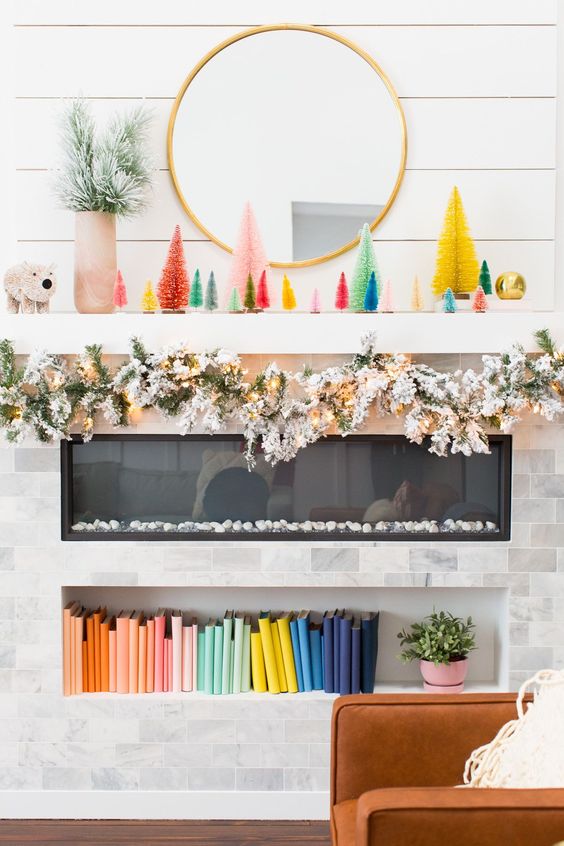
(441, 643)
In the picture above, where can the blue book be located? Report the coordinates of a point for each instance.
(316, 660)
(369, 637)
(355, 655)
(345, 628)
(297, 654)
(328, 675)
(336, 650)
(305, 652)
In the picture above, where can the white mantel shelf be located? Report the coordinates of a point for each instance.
(463, 332)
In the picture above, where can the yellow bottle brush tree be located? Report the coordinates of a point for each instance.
(149, 302)
(457, 266)
(288, 296)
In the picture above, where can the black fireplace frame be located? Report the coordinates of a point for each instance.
(503, 534)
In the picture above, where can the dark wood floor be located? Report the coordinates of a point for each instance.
(166, 833)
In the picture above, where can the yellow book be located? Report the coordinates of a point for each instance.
(257, 663)
(279, 659)
(283, 625)
(265, 628)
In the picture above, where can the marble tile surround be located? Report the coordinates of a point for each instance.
(48, 742)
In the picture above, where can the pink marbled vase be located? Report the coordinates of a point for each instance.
(446, 678)
(95, 262)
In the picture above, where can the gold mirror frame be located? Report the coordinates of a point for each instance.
(302, 28)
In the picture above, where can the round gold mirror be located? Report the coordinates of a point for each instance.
(302, 123)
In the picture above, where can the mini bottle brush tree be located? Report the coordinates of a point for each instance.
(149, 302)
(120, 292)
(456, 267)
(235, 305)
(174, 285)
(211, 302)
(387, 302)
(484, 279)
(480, 302)
(196, 299)
(249, 256)
(263, 296)
(449, 303)
(371, 296)
(416, 296)
(288, 296)
(365, 265)
(250, 300)
(342, 294)
(315, 305)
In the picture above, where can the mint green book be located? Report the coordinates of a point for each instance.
(209, 643)
(201, 672)
(217, 656)
(226, 663)
(231, 654)
(238, 652)
(246, 657)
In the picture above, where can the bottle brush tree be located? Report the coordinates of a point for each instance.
(263, 296)
(149, 302)
(480, 302)
(387, 301)
(417, 303)
(250, 300)
(484, 279)
(365, 265)
(456, 266)
(196, 299)
(174, 285)
(342, 294)
(120, 292)
(288, 296)
(249, 256)
(211, 302)
(449, 303)
(370, 302)
(235, 305)
(315, 306)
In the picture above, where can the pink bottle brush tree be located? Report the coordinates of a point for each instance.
(120, 291)
(342, 294)
(249, 257)
(387, 303)
(315, 306)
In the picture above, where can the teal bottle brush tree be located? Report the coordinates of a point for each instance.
(365, 265)
(371, 296)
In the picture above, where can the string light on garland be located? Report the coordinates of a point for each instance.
(279, 411)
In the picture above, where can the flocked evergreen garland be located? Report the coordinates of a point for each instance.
(280, 411)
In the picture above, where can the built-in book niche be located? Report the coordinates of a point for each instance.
(255, 640)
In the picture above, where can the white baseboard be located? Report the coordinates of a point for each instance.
(165, 805)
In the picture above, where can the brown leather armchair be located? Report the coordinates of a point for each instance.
(395, 760)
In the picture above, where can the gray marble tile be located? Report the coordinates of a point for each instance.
(482, 560)
(211, 731)
(529, 657)
(306, 779)
(532, 560)
(422, 559)
(285, 755)
(534, 510)
(163, 778)
(259, 731)
(527, 608)
(187, 755)
(211, 778)
(547, 485)
(307, 731)
(111, 778)
(259, 778)
(319, 755)
(139, 755)
(547, 584)
(36, 460)
(66, 778)
(7, 558)
(162, 731)
(285, 559)
(232, 559)
(20, 778)
(334, 560)
(521, 486)
(547, 634)
(236, 755)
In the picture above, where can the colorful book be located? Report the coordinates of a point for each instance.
(327, 628)
(68, 611)
(134, 623)
(187, 656)
(105, 654)
(209, 646)
(79, 634)
(160, 630)
(305, 650)
(150, 672)
(218, 657)
(195, 644)
(122, 663)
(201, 658)
(265, 628)
(336, 649)
(112, 660)
(165, 664)
(226, 657)
(84, 666)
(258, 670)
(170, 662)
(74, 615)
(283, 682)
(315, 652)
(98, 616)
(355, 655)
(345, 626)
(369, 650)
(175, 677)
(283, 624)
(246, 657)
(142, 664)
(238, 636)
(296, 650)
(231, 664)
(89, 675)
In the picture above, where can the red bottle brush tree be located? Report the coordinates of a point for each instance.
(480, 301)
(174, 285)
(342, 294)
(263, 296)
(120, 292)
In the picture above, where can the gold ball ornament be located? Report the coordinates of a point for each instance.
(510, 286)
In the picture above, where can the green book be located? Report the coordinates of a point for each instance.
(217, 656)
(226, 663)
(201, 660)
(238, 651)
(246, 657)
(231, 654)
(209, 636)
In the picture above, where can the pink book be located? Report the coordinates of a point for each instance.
(165, 665)
(160, 627)
(122, 652)
(175, 677)
(187, 657)
(170, 663)
(142, 667)
(134, 623)
(70, 609)
(113, 655)
(79, 630)
(150, 655)
(194, 652)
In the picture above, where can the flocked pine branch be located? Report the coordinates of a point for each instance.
(545, 342)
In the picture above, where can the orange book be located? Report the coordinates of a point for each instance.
(122, 652)
(99, 615)
(134, 623)
(105, 654)
(90, 674)
(79, 630)
(76, 613)
(112, 660)
(84, 665)
(142, 682)
(150, 675)
(68, 611)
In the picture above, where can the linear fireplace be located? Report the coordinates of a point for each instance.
(363, 487)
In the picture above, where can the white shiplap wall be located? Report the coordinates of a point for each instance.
(477, 81)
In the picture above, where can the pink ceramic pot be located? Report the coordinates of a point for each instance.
(95, 262)
(446, 678)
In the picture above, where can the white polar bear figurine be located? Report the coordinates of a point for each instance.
(30, 287)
